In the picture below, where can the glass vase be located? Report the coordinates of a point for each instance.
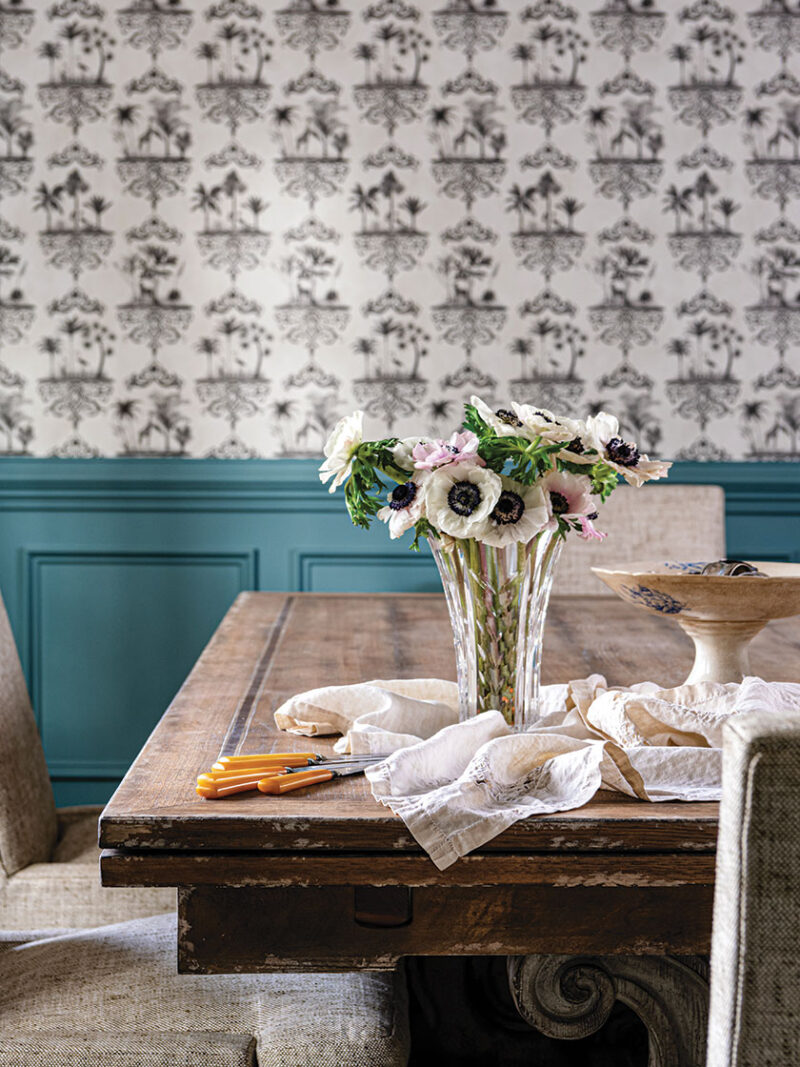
(497, 599)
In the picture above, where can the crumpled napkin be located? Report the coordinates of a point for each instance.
(373, 716)
(457, 785)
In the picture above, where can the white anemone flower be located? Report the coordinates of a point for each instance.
(406, 503)
(459, 498)
(603, 433)
(346, 436)
(579, 447)
(504, 421)
(402, 452)
(539, 422)
(568, 495)
(521, 512)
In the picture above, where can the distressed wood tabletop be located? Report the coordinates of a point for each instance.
(271, 645)
(157, 831)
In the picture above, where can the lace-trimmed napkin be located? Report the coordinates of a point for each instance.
(457, 785)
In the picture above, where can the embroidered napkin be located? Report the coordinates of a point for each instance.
(457, 785)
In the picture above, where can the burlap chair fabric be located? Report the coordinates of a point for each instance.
(27, 811)
(77, 834)
(681, 522)
(66, 893)
(121, 980)
(132, 1050)
(755, 969)
(49, 860)
(12, 938)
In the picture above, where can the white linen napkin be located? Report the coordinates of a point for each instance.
(373, 716)
(457, 785)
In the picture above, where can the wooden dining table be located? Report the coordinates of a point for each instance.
(326, 878)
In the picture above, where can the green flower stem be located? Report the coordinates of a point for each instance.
(471, 552)
(397, 474)
(495, 598)
(539, 582)
(491, 646)
(508, 597)
(496, 603)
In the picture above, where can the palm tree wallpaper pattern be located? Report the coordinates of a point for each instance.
(224, 224)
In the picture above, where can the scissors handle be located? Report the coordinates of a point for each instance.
(227, 777)
(282, 783)
(267, 759)
(214, 788)
(214, 792)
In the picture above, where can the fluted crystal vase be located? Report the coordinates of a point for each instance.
(497, 599)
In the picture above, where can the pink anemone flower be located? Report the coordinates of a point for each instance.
(461, 448)
(568, 496)
(589, 531)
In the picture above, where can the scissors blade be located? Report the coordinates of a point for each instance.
(349, 767)
(340, 772)
(367, 757)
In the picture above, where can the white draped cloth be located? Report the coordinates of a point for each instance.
(457, 785)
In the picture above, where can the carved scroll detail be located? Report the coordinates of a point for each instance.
(570, 997)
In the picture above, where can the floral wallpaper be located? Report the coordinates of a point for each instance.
(224, 224)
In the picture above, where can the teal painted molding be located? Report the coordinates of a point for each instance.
(108, 594)
(115, 572)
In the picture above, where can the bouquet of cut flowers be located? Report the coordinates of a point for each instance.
(495, 502)
(508, 475)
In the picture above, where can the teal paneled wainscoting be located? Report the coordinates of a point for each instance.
(116, 572)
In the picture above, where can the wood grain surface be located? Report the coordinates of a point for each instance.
(271, 645)
(226, 930)
(161, 868)
(325, 878)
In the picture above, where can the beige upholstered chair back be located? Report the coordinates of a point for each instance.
(27, 809)
(755, 980)
(681, 522)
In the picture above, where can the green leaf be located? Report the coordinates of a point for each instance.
(604, 480)
(473, 421)
(422, 529)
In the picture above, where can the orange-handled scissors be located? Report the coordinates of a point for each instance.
(234, 764)
(219, 783)
(298, 779)
(249, 772)
(214, 786)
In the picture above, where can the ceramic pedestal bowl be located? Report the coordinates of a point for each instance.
(721, 614)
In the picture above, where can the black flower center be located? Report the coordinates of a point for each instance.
(509, 508)
(593, 516)
(542, 415)
(508, 417)
(403, 496)
(559, 503)
(622, 452)
(576, 446)
(464, 497)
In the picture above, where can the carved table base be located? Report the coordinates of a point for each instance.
(463, 1015)
(572, 996)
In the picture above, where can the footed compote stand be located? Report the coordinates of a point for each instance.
(721, 612)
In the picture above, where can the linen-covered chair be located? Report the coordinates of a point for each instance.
(111, 997)
(755, 961)
(49, 861)
(681, 522)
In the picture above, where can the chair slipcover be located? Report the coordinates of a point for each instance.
(755, 959)
(102, 996)
(27, 811)
(680, 522)
(197, 1049)
(49, 860)
(66, 893)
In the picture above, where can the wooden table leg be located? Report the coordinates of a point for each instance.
(572, 996)
(462, 1011)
